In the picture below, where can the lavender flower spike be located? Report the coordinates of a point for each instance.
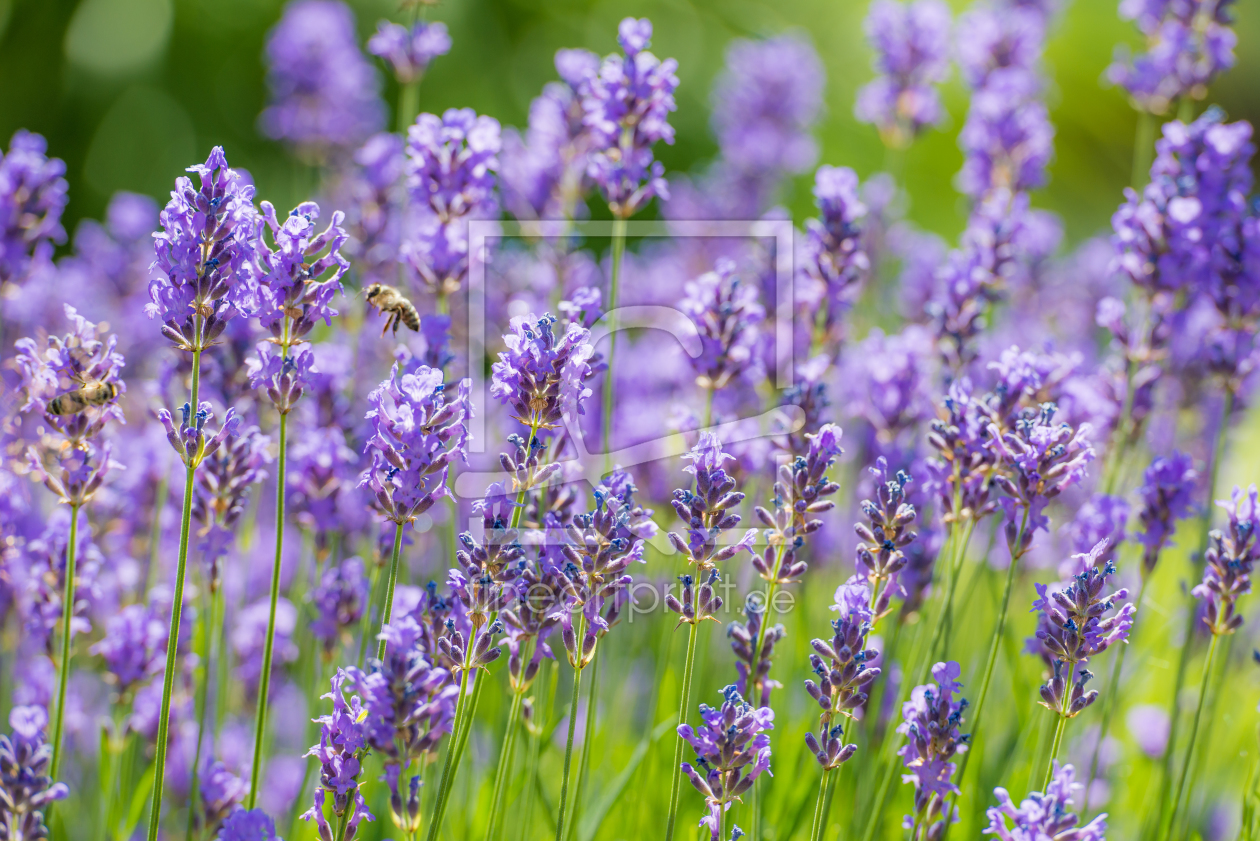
(844, 677)
(1230, 559)
(342, 747)
(627, 111)
(911, 43)
(409, 51)
(25, 788)
(248, 825)
(932, 718)
(730, 740)
(1167, 496)
(32, 198)
(880, 555)
(206, 253)
(727, 314)
(1044, 814)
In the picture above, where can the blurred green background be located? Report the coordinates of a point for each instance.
(128, 92)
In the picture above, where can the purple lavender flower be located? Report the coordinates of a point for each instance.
(339, 600)
(40, 578)
(206, 254)
(727, 315)
(1044, 814)
(627, 110)
(190, 441)
(74, 382)
(833, 259)
(959, 476)
(322, 474)
(730, 740)
(32, 198)
(801, 490)
(1044, 459)
(1187, 44)
(880, 551)
(1102, 517)
(302, 274)
(323, 92)
(222, 491)
(374, 213)
(221, 796)
(931, 719)
(844, 677)
(249, 634)
(409, 51)
(134, 641)
(1008, 139)
(886, 381)
(410, 706)
(1167, 493)
(765, 103)
(1230, 558)
(27, 789)
(451, 166)
(1200, 180)
(995, 37)
(1074, 626)
(743, 636)
(911, 43)
(341, 749)
(416, 434)
(542, 377)
(248, 825)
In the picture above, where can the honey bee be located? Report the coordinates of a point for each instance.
(87, 394)
(398, 310)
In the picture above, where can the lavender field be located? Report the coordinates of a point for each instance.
(731, 448)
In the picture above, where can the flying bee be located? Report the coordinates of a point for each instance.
(397, 309)
(88, 394)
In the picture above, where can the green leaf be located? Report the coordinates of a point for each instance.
(610, 796)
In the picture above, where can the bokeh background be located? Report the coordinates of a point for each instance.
(128, 91)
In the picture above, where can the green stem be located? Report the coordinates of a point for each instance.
(568, 745)
(67, 620)
(264, 679)
(683, 706)
(618, 249)
(505, 766)
(387, 609)
(588, 736)
(1059, 727)
(456, 754)
(816, 828)
(826, 806)
(461, 705)
(1109, 705)
(203, 693)
(345, 821)
(1194, 732)
(408, 105)
(172, 638)
(546, 681)
(379, 581)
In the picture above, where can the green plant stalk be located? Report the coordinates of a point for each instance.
(506, 754)
(172, 639)
(568, 745)
(264, 679)
(824, 785)
(1216, 687)
(387, 609)
(203, 693)
(408, 105)
(1183, 660)
(1109, 705)
(1059, 727)
(826, 806)
(1143, 149)
(771, 588)
(683, 705)
(546, 680)
(614, 286)
(378, 582)
(461, 707)
(588, 736)
(1194, 732)
(67, 620)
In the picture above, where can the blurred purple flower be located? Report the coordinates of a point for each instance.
(911, 43)
(1044, 814)
(409, 51)
(1230, 559)
(32, 198)
(931, 719)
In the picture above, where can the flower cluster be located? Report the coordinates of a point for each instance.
(931, 721)
(731, 739)
(339, 599)
(323, 91)
(416, 434)
(1074, 626)
(627, 111)
(1187, 44)
(134, 640)
(74, 382)
(744, 636)
(727, 315)
(222, 491)
(409, 51)
(32, 197)
(451, 166)
(911, 43)
(343, 744)
(189, 441)
(1044, 814)
(844, 677)
(833, 262)
(542, 377)
(206, 252)
(1230, 558)
(25, 788)
(1167, 494)
(883, 539)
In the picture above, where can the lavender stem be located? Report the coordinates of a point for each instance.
(387, 609)
(683, 706)
(1194, 732)
(461, 710)
(67, 618)
(584, 761)
(568, 745)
